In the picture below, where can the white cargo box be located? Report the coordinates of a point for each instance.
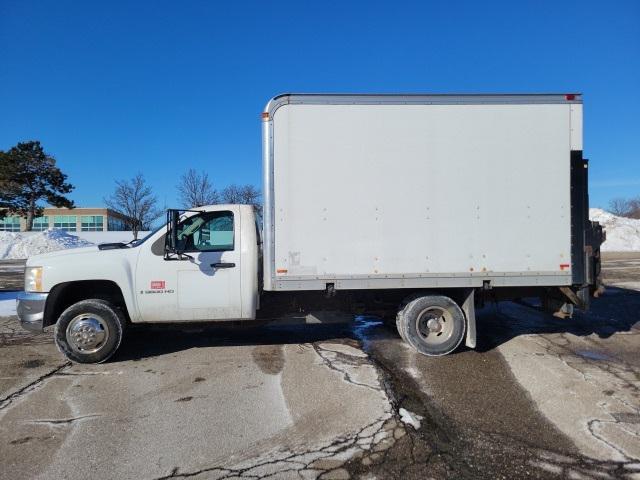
(390, 191)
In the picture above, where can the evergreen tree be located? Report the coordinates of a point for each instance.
(29, 175)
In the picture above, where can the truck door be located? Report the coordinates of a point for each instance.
(203, 286)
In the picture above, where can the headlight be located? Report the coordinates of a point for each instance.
(33, 279)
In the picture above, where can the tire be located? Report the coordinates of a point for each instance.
(399, 321)
(89, 331)
(432, 324)
(400, 325)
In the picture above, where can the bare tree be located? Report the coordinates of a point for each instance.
(242, 194)
(134, 200)
(634, 208)
(619, 206)
(195, 190)
(625, 207)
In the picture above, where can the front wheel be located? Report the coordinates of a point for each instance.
(89, 331)
(432, 324)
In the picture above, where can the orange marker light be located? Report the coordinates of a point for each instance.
(282, 270)
(265, 115)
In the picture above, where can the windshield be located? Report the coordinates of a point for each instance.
(140, 241)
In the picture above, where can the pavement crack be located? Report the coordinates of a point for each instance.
(63, 421)
(344, 360)
(560, 348)
(591, 425)
(81, 374)
(320, 459)
(8, 400)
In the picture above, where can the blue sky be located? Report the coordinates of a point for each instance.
(116, 87)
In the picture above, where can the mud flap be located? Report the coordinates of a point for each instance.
(469, 309)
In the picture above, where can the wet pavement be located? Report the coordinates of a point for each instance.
(539, 398)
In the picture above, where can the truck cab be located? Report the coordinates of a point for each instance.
(213, 275)
(91, 294)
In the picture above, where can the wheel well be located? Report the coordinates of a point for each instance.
(63, 295)
(458, 295)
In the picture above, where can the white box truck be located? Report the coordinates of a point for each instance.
(411, 207)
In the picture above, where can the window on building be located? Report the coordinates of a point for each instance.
(40, 224)
(10, 224)
(92, 223)
(68, 223)
(115, 224)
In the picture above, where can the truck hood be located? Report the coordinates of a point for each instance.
(85, 263)
(44, 258)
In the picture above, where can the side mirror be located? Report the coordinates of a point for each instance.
(171, 243)
(174, 248)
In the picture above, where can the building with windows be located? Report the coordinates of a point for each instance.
(69, 220)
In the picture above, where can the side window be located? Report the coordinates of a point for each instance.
(209, 232)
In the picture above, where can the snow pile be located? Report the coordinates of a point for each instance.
(623, 234)
(410, 418)
(23, 245)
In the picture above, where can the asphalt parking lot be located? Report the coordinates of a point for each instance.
(539, 398)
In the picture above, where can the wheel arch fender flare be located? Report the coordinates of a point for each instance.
(65, 294)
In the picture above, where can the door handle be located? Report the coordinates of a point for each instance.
(223, 265)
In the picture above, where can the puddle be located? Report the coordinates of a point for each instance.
(365, 329)
(591, 355)
(269, 358)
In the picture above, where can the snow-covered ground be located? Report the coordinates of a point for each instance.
(8, 303)
(623, 234)
(26, 244)
(23, 245)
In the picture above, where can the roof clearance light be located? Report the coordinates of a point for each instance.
(265, 115)
(570, 96)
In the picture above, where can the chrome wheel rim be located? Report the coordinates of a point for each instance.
(87, 333)
(434, 325)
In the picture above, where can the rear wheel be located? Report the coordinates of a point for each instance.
(432, 324)
(400, 323)
(89, 331)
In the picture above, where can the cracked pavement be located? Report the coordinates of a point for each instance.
(216, 403)
(539, 398)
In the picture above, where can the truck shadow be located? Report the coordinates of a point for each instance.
(145, 342)
(617, 310)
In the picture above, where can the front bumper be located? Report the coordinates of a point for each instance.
(30, 308)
